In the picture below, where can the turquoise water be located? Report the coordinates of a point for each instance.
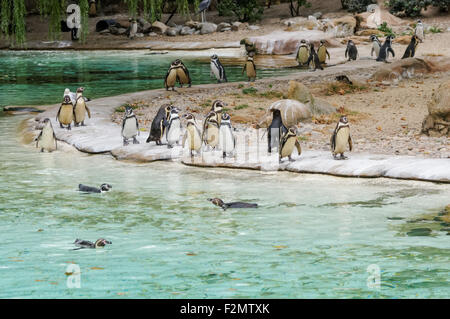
(40, 77)
(312, 237)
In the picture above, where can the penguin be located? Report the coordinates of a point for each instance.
(66, 113)
(340, 138)
(80, 108)
(192, 135)
(287, 144)
(275, 130)
(313, 60)
(322, 52)
(227, 140)
(183, 74)
(351, 50)
(376, 45)
(250, 67)
(92, 8)
(130, 126)
(171, 76)
(159, 124)
(219, 202)
(173, 131)
(99, 243)
(217, 107)
(46, 140)
(419, 31)
(217, 69)
(89, 189)
(411, 49)
(133, 29)
(73, 96)
(210, 134)
(385, 49)
(302, 53)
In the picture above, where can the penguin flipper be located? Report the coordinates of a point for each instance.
(137, 125)
(350, 144)
(88, 111)
(57, 115)
(328, 53)
(392, 52)
(299, 148)
(56, 143)
(37, 139)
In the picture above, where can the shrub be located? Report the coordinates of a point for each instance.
(243, 10)
(385, 29)
(412, 8)
(356, 5)
(295, 6)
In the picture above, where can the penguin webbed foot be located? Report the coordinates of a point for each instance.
(343, 157)
(125, 142)
(135, 141)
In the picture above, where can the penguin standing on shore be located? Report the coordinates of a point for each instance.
(288, 142)
(340, 138)
(376, 45)
(217, 69)
(302, 53)
(183, 74)
(227, 140)
(217, 107)
(411, 49)
(192, 135)
(385, 49)
(66, 113)
(46, 140)
(210, 134)
(132, 30)
(250, 67)
(159, 124)
(171, 76)
(173, 131)
(351, 51)
(419, 31)
(80, 108)
(275, 131)
(322, 52)
(73, 96)
(130, 126)
(313, 60)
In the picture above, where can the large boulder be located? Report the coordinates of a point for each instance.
(374, 18)
(171, 32)
(345, 26)
(222, 26)
(159, 27)
(437, 122)
(298, 91)
(207, 27)
(187, 30)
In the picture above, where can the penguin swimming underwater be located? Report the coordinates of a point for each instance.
(419, 31)
(313, 60)
(322, 52)
(46, 140)
(89, 189)
(80, 108)
(376, 45)
(99, 243)
(217, 69)
(210, 134)
(219, 202)
(340, 138)
(303, 53)
(227, 140)
(351, 51)
(159, 124)
(411, 49)
(275, 130)
(66, 113)
(385, 49)
(250, 67)
(130, 126)
(287, 144)
(192, 135)
(173, 130)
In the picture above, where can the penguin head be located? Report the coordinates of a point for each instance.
(292, 131)
(390, 37)
(177, 62)
(419, 21)
(128, 111)
(67, 99)
(218, 105)
(47, 122)
(101, 242)
(343, 120)
(303, 41)
(216, 201)
(214, 57)
(373, 38)
(350, 42)
(190, 118)
(80, 90)
(322, 42)
(67, 91)
(225, 117)
(105, 187)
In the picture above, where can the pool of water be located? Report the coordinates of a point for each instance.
(312, 237)
(40, 77)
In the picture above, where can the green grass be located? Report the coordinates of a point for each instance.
(435, 30)
(385, 29)
(272, 94)
(242, 106)
(250, 90)
(121, 109)
(240, 86)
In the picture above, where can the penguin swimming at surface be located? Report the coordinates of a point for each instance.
(411, 49)
(385, 49)
(217, 69)
(227, 140)
(99, 243)
(340, 138)
(303, 53)
(322, 52)
(173, 131)
(210, 134)
(89, 189)
(419, 31)
(66, 113)
(218, 202)
(313, 60)
(159, 124)
(80, 108)
(351, 51)
(250, 67)
(130, 126)
(192, 135)
(46, 140)
(289, 141)
(376, 45)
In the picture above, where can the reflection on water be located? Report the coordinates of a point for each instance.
(168, 241)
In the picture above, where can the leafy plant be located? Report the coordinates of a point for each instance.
(250, 90)
(243, 10)
(242, 106)
(295, 6)
(385, 29)
(356, 5)
(412, 8)
(434, 29)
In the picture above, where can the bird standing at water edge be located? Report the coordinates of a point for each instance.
(130, 126)
(217, 69)
(66, 113)
(202, 7)
(351, 51)
(340, 138)
(46, 140)
(80, 108)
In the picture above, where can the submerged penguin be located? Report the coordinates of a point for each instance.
(288, 142)
(419, 31)
(275, 130)
(46, 140)
(302, 53)
(218, 202)
(351, 51)
(80, 108)
(411, 49)
(89, 189)
(376, 45)
(385, 49)
(322, 52)
(210, 134)
(217, 69)
(340, 138)
(130, 126)
(66, 113)
(227, 140)
(250, 67)
(173, 131)
(159, 124)
(192, 135)
(99, 243)
(313, 60)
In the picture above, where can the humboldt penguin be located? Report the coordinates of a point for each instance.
(210, 134)
(192, 135)
(171, 76)
(217, 107)
(131, 33)
(46, 140)
(66, 113)
(217, 69)
(183, 74)
(130, 126)
(351, 51)
(385, 49)
(250, 67)
(275, 130)
(419, 31)
(159, 124)
(411, 49)
(89, 189)
(227, 140)
(340, 138)
(302, 53)
(80, 108)
(218, 202)
(99, 243)
(376, 45)
(73, 96)
(313, 60)
(322, 52)
(287, 144)
(173, 131)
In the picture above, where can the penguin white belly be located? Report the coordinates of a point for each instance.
(376, 49)
(288, 147)
(66, 114)
(194, 140)
(215, 71)
(130, 129)
(47, 141)
(174, 132)
(171, 78)
(226, 140)
(212, 135)
(342, 140)
(303, 55)
(80, 111)
(419, 33)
